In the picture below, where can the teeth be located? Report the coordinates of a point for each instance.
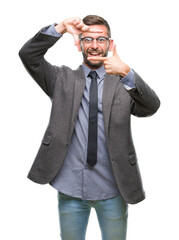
(94, 54)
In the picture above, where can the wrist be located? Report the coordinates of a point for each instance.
(125, 71)
(60, 28)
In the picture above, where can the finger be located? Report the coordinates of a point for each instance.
(107, 66)
(114, 50)
(76, 21)
(107, 62)
(95, 30)
(85, 28)
(102, 59)
(76, 39)
(80, 24)
(108, 71)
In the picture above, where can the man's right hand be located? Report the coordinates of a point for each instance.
(74, 26)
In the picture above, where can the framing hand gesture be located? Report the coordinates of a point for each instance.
(113, 64)
(74, 26)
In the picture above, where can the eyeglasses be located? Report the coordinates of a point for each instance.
(100, 40)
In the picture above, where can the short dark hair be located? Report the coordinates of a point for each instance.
(97, 20)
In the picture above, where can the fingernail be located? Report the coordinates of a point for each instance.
(85, 27)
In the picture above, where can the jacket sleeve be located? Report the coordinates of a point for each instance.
(32, 56)
(144, 101)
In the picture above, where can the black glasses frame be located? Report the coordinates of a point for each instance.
(92, 39)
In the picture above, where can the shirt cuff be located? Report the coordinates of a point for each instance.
(128, 81)
(52, 31)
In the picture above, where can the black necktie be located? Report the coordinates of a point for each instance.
(93, 120)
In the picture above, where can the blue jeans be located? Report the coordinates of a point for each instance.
(74, 215)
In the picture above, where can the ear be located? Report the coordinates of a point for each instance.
(111, 44)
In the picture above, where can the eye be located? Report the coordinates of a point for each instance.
(88, 39)
(101, 39)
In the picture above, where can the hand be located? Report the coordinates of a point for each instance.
(113, 65)
(74, 26)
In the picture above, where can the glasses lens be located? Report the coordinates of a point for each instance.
(101, 39)
(87, 39)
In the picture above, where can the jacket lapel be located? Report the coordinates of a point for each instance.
(110, 84)
(80, 83)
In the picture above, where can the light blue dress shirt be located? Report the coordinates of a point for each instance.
(76, 178)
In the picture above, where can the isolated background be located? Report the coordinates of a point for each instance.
(146, 34)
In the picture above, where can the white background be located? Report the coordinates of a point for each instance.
(146, 36)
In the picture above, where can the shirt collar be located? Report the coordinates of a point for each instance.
(100, 71)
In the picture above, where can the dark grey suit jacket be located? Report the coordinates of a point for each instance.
(65, 87)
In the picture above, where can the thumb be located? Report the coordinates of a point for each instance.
(76, 39)
(114, 50)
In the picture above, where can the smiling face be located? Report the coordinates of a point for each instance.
(95, 48)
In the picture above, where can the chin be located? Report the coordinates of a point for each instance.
(94, 64)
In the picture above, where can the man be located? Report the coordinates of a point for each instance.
(87, 152)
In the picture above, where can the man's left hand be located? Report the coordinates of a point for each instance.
(113, 65)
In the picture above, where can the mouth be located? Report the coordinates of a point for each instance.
(94, 54)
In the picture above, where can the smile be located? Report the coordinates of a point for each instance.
(94, 54)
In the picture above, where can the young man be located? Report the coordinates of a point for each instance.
(87, 152)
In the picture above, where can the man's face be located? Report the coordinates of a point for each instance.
(95, 48)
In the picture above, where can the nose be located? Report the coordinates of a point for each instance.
(94, 44)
